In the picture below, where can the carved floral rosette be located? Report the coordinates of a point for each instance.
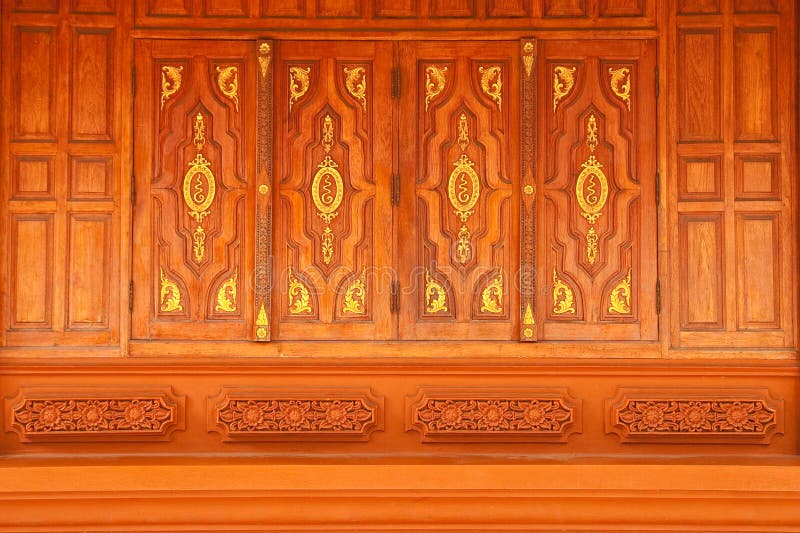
(82, 415)
(715, 416)
(493, 415)
(266, 415)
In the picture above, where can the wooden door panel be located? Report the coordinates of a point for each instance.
(458, 141)
(193, 219)
(332, 201)
(597, 217)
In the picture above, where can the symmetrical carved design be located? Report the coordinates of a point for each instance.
(528, 321)
(199, 188)
(563, 82)
(492, 295)
(327, 190)
(528, 56)
(563, 297)
(621, 296)
(463, 190)
(590, 199)
(435, 295)
(299, 81)
(492, 83)
(170, 299)
(282, 415)
(621, 84)
(356, 84)
(262, 324)
(718, 416)
(263, 219)
(493, 415)
(527, 234)
(226, 295)
(264, 58)
(59, 414)
(299, 295)
(170, 82)
(355, 297)
(228, 83)
(435, 82)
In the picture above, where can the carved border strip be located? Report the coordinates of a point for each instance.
(68, 414)
(493, 415)
(527, 234)
(274, 415)
(263, 256)
(715, 416)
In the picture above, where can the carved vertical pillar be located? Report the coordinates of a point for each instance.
(263, 256)
(527, 330)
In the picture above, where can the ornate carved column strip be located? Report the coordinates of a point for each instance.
(263, 267)
(527, 234)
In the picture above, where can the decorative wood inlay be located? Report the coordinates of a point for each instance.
(621, 84)
(355, 297)
(226, 296)
(435, 82)
(527, 237)
(264, 57)
(356, 84)
(563, 82)
(563, 297)
(327, 190)
(493, 415)
(170, 82)
(299, 296)
(463, 190)
(492, 83)
(284, 415)
(199, 188)
(228, 83)
(747, 416)
(435, 295)
(170, 294)
(591, 190)
(621, 296)
(299, 81)
(492, 295)
(79, 415)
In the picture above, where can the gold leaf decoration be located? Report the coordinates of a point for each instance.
(621, 296)
(226, 295)
(299, 296)
(435, 82)
(170, 82)
(435, 295)
(356, 84)
(199, 188)
(355, 297)
(528, 321)
(492, 295)
(621, 84)
(262, 323)
(327, 190)
(590, 199)
(492, 89)
(528, 56)
(563, 82)
(228, 82)
(170, 294)
(264, 58)
(563, 298)
(299, 81)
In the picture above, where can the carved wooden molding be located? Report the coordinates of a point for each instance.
(66, 414)
(493, 415)
(717, 416)
(292, 415)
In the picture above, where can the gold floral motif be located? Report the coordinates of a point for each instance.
(492, 89)
(528, 321)
(199, 188)
(435, 81)
(463, 132)
(621, 84)
(528, 55)
(590, 199)
(170, 294)
(170, 82)
(356, 83)
(492, 295)
(327, 190)
(226, 295)
(591, 245)
(563, 82)
(262, 323)
(563, 298)
(299, 82)
(355, 297)
(327, 134)
(463, 248)
(299, 297)
(463, 187)
(228, 82)
(435, 295)
(199, 243)
(529, 189)
(591, 133)
(621, 296)
(264, 58)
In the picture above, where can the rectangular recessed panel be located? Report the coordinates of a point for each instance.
(88, 272)
(397, 8)
(92, 85)
(90, 177)
(509, 8)
(756, 6)
(699, 178)
(283, 8)
(225, 8)
(338, 8)
(701, 284)
(699, 94)
(757, 260)
(755, 85)
(40, 6)
(93, 6)
(32, 176)
(31, 269)
(180, 8)
(564, 8)
(452, 8)
(34, 83)
(697, 7)
(622, 8)
(757, 176)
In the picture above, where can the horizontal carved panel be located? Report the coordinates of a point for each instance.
(736, 416)
(493, 415)
(295, 415)
(67, 414)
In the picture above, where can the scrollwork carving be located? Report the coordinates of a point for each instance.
(563, 82)
(299, 81)
(228, 83)
(435, 82)
(620, 296)
(356, 84)
(226, 295)
(170, 296)
(621, 84)
(492, 295)
(563, 297)
(171, 80)
(299, 295)
(435, 295)
(492, 83)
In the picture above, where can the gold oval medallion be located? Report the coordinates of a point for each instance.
(199, 187)
(592, 189)
(464, 186)
(327, 189)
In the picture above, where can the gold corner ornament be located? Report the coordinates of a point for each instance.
(299, 296)
(299, 82)
(621, 296)
(228, 83)
(170, 82)
(563, 297)
(355, 297)
(435, 82)
(226, 295)
(170, 297)
(492, 83)
(264, 58)
(492, 295)
(528, 322)
(327, 190)
(563, 82)
(356, 84)
(591, 190)
(463, 191)
(528, 56)
(262, 324)
(435, 295)
(199, 188)
(621, 84)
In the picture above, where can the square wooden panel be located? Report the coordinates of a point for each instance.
(700, 178)
(757, 176)
(91, 177)
(32, 177)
